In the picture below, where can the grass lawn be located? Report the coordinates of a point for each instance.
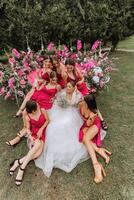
(127, 43)
(117, 106)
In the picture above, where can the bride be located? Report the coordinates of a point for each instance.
(63, 149)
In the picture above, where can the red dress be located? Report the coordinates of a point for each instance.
(44, 97)
(82, 87)
(35, 125)
(97, 138)
(45, 76)
(61, 82)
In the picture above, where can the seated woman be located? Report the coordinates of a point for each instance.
(90, 135)
(43, 93)
(44, 96)
(36, 123)
(74, 74)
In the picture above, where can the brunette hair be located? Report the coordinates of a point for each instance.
(53, 74)
(31, 106)
(70, 61)
(91, 102)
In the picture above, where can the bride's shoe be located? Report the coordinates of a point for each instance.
(99, 173)
(105, 154)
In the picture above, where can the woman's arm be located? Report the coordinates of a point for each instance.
(80, 76)
(27, 124)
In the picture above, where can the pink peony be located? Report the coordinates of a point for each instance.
(16, 53)
(11, 61)
(2, 91)
(11, 83)
(20, 73)
(79, 45)
(50, 46)
(96, 45)
(22, 82)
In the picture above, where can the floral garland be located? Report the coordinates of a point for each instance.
(95, 66)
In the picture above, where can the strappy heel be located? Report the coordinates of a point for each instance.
(13, 145)
(105, 154)
(18, 182)
(99, 175)
(11, 172)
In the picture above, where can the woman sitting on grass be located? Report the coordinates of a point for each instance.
(36, 123)
(90, 135)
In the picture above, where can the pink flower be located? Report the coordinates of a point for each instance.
(102, 83)
(73, 56)
(2, 91)
(11, 61)
(16, 53)
(25, 64)
(89, 65)
(108, 69)
(100, 75)
(22, 82)
(96, 45)
(7, 95)
(79, 45)
(65, 48)
(93, 90)
(11, 83)
(20, 93)
(50, 46)
(20, 73)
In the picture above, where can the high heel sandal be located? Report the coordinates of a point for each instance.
(99, 178)
(13, 145)
(18, 182)
(11, 172)
(105, 154)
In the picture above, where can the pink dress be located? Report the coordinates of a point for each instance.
(35, 125)
(82, 87)
(97, 138)
(44, 97)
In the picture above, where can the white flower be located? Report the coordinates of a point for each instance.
(96, 79)
(97, 70)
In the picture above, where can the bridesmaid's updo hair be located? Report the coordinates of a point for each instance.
(70, 61)
(31, 106)
(91, 102)
(45, 57)
(53, 75)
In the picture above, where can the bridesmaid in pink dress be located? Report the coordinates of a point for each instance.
(36, 123)
(59, 68)
(89, 134)
(43, 94)
(74, 74)
(42, 75)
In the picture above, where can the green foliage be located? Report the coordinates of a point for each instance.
(64, 20)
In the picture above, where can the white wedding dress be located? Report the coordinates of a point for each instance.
(62, 147)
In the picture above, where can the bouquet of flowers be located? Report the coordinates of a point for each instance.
(94, 64)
